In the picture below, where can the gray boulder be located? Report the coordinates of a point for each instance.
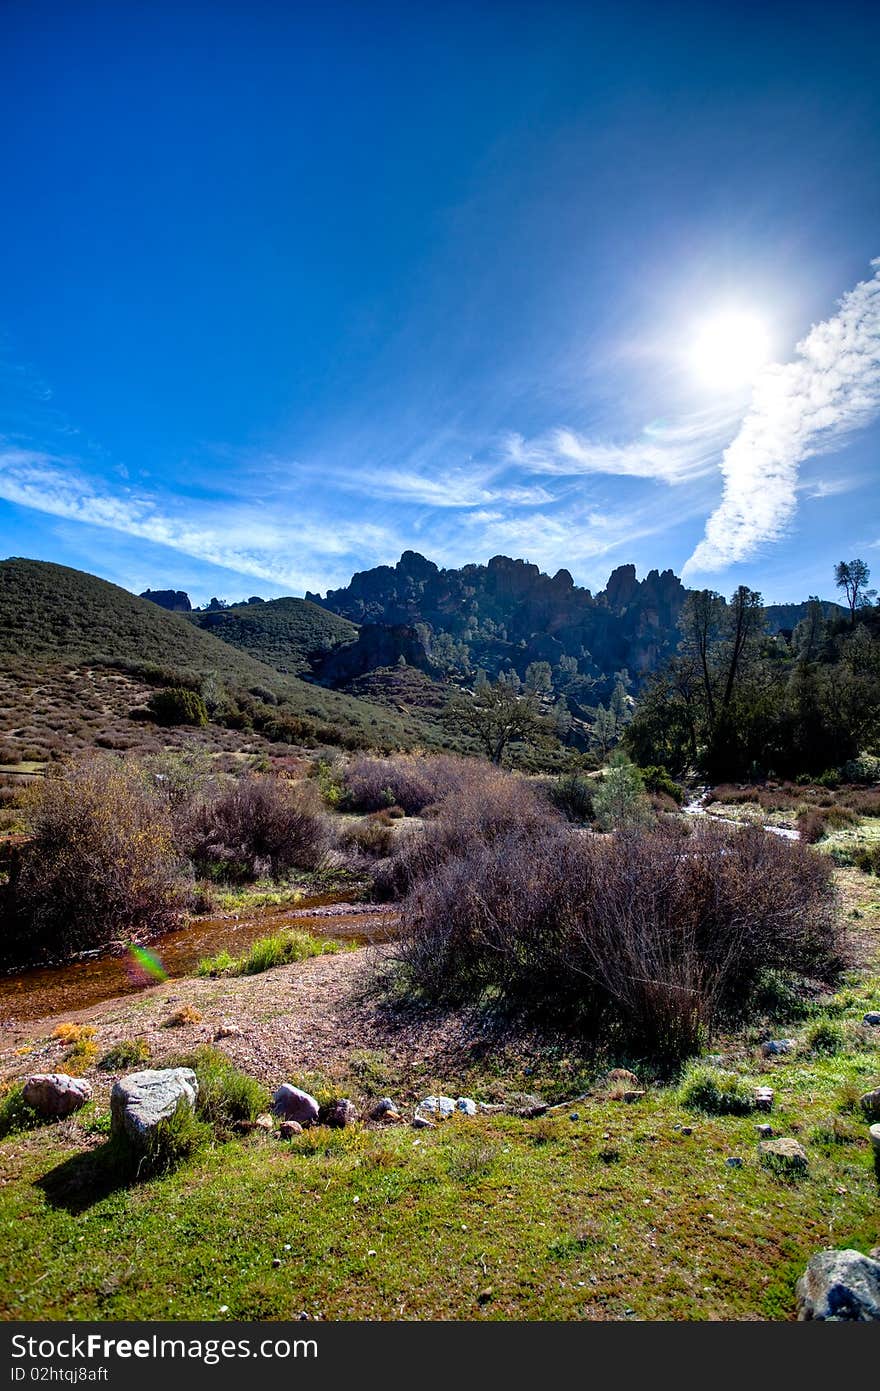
(840, 1287)
(338, 1113)
(293, 1104)
(870, 1104)
(872, 1018)
(54, 1094)
(776, 1047)
(785, 1155)
(141, 1100)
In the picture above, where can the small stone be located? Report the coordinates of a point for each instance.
(872, 1018)
(776, 1047)
(765, 1131)
(422, 1123)
(484, 1296)
(288, 1129)
(840, 1287)
(55, 1094)
(617, 1082)
(276, 1264)
(874, 1133)
(264, 1122)
(441, 1107)
(224, 1308)
(337, 1114)
(870, 1104)
(383, 1108)
(763, 1098)
(785, 1155)
(629, 1097)
(734, 1162)
(227, 1029)
(466, 1106)
(293, 1104)
(687, 1130)
(575, 1116)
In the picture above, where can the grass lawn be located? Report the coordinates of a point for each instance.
(616, 1214)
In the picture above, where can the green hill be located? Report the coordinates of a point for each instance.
(77, 653)
(286, 634)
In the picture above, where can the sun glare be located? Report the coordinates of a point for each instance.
(729, 349)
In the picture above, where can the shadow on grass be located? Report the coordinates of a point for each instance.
(87, 1178)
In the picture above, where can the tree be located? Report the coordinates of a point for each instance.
(498, 715)
(604, 729)
(619, 801)
(852, 577)
(539, 678)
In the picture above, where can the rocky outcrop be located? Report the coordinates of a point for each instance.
(140, 1101)
(840, 1287)
(176, 600)
(377, 645)
(54, 1095)
(508, 613)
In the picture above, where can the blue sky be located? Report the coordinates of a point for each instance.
(286, 289)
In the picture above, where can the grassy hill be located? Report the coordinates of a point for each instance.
(284, 633)
(77, 653)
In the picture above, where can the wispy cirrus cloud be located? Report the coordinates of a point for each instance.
(669, 452)
(798, 409)
(293, 551)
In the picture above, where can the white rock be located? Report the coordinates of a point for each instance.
(54, 1094)
(466, 1106)
(439, 1106)
(141, 1100)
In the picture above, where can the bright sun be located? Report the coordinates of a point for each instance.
(729, 349)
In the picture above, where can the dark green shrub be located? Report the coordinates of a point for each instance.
(226, 1096)
(130, 1052)
(715, 1092)
(572, 794)
(657, 779)
(825, 1037)
(175, 705)
(15, 1114)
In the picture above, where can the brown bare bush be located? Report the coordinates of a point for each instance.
(651, 935)
(260, 825)
(100, 865)
(486, 805)
(413, 783)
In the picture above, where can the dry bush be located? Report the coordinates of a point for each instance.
(100, 865)
(486, 805)
(653, 936)
(371, 784)
(371, 838)
(259, 826)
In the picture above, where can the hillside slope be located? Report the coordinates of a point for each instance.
(53, 619)
(287, 634)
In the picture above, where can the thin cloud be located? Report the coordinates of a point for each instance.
(798, 409)
(300, 553)
(669, 453)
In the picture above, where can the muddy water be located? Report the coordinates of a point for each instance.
(50, 990)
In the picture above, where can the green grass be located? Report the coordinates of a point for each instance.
(616, 1215)
(278, 950)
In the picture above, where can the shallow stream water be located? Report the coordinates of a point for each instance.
(50, 990)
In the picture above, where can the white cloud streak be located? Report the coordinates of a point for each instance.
(292, 552)
(798, 409)
(669, 453)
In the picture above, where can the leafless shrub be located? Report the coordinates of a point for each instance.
(656, 936)
(486, 805)
(100, 864)
(255, 826)
(406, 781)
